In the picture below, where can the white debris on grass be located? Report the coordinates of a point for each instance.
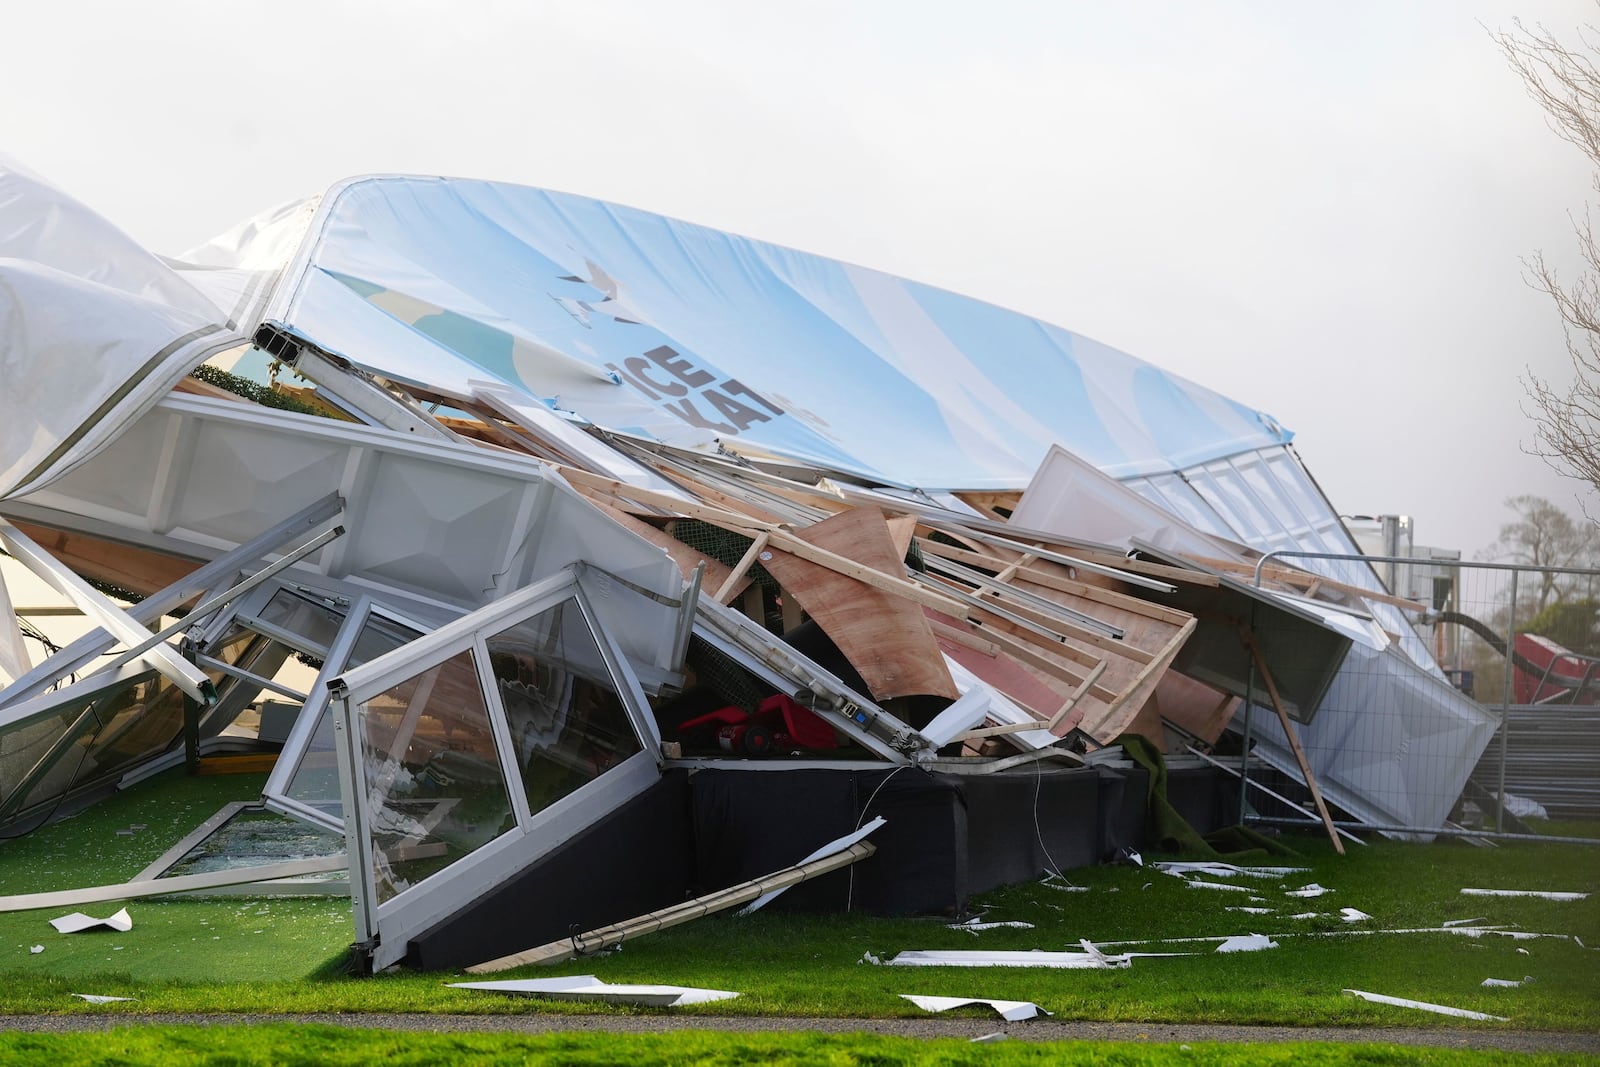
(1224, 870)
(1541, 894)
(1010, 1010)
(36, 949)
(1463, 922)
(1307, 915)
(1353, 915)
(1249, 910)
(974, 925)
(1422, 1005)
(588, 987)
(1247, 943)
(1200, 883)
(77, 922)
(96, 998)
(1506, 983)
(1312, 890)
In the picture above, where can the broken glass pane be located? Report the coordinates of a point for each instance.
(568, 725)
(316, 777)
(432, 774)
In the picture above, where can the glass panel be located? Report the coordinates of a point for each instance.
(138, 719)
(316, 777)
(432, 775)
(313, 621)
(568, 725)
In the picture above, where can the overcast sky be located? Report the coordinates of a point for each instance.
(1319, 210)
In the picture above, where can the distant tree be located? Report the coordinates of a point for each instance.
(1572, 624)
(1546, 536)
(1565, 81)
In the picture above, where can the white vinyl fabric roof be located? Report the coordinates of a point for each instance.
(659, 328)
(93, 328)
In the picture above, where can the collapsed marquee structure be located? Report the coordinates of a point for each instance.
(597, 507)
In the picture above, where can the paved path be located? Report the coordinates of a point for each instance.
(962, 1027)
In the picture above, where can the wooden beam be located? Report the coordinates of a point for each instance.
(1294, 740)
(730, 586)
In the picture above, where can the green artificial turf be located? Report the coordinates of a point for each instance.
(294, 1046)
(257, 955)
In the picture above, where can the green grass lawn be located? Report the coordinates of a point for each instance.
(258, 955)
(286, 1046)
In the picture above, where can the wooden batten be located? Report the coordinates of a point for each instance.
(884, 636)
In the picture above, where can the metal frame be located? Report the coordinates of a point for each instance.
(387, 927)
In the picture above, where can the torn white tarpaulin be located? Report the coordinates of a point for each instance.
(1541, 894)
(78, 921)
(974, 925)
(1353, 915)
(1093, 960)
(588, 987)
(1506, 983)
(825, 851)
(1250, 910)
(1247, 943)
(1422, 1005)
(1312, 890)
(1010, 1010)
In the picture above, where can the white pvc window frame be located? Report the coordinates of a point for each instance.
(387, 928)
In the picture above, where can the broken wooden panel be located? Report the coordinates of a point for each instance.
(884, 636)
(1194, 708)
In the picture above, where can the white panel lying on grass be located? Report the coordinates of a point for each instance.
(1523, 893)
(1010, 1010)
(78, 922)
(1422, 1005)
(1247, 943)
(1093, 959)
(588, 987)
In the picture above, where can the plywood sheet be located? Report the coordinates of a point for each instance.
(885, 637)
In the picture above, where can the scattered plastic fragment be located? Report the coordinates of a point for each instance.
(1010, 1010)
(1091, 960)
(36, 949)
(1249, 910)
(1247, 943)
(1312, 890)
(95, 998)
(1353, 915)
(77, 922)
(1422, 1005)
(1129, 857)
(1506, 983)
(989, 1039)
(974, 924)
(1055, 881)
(831, 848)
(1462, 922)
(1224, 870)
(588, 987)
(1541, 894)
(868, 957)
(1197, 883)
